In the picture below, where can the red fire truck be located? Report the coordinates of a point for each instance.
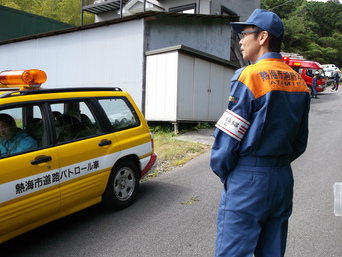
(307, 70)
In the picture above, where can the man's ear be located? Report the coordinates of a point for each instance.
(263, 37)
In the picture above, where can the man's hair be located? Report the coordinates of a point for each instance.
(274, 43)
(6, 118)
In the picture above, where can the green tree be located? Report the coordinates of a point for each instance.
(68, 11)
(282, 8)
(312, 29)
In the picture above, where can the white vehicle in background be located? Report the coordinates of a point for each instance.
(329, 70)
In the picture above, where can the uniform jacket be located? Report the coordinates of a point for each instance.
(20, 142)
(314, 81)
(274, 100)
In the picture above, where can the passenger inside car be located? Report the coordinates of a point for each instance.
(12, 138)
(86, 124)
(34, 128)
(72, 127)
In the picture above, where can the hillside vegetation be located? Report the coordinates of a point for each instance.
(312, 29)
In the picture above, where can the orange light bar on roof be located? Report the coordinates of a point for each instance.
(22, 78)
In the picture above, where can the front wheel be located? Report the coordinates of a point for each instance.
(122, 187)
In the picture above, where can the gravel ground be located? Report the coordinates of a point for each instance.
(203, 136)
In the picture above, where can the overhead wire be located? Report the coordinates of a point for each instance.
(280, 5)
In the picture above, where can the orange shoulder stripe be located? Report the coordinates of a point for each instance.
(269, 75)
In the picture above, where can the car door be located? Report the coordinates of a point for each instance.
(29, 179)
(86, 154)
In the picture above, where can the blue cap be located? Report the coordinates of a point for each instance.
(263, 19)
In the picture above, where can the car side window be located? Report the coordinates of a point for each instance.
(310, 72)
(73, 121)
(120, 113)
(22, 129)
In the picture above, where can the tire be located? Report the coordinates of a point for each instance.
(122, 186)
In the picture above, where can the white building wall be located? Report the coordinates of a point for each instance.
(107, 16)
(108, 56)
(181, 87)
(161, 87)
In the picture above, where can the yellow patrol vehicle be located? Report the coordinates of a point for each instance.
(65, 149)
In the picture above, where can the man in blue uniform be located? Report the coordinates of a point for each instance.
(314, 85)
(336, 81)
(263, 130)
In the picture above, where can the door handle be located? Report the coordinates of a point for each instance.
(105, 142)
(41, 160)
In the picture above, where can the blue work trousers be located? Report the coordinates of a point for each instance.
(314, 90)
(255, 205)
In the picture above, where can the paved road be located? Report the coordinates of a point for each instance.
(175, 213)
(314, 229)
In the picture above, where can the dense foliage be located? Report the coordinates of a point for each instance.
(312, 29)
(68, 11)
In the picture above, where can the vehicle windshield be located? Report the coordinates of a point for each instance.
(321, 71)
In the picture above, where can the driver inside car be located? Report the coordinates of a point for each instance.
(12, 138)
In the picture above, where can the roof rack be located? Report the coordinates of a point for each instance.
(56, 90)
